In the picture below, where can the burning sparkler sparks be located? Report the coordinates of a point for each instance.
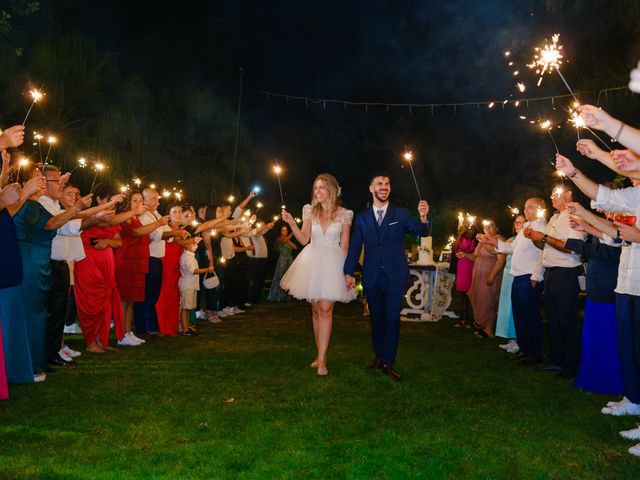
(408, 156)
(36, 95)
(548, 58)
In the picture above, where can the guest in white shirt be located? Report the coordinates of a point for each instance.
(525, 293)
(146, 317)
(560, 268)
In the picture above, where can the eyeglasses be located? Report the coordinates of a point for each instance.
(55, 181)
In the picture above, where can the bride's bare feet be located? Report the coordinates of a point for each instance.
(322, 368)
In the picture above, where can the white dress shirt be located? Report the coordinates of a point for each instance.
(626, 200)
(258, 242)
(525, 256)
(188, 265)
(558, 227)
(67, 244)
(156, 246)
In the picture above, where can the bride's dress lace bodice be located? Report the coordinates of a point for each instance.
(330, 237)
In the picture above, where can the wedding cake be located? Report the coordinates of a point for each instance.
(425, 252)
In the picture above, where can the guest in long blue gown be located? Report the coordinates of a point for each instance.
(23, 308)
(504, 325)
(600, 370)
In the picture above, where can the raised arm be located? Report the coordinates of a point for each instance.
(598, 119)
(302, 235)
(588, 186)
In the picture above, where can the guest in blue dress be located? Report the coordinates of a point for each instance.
(504, 325)
(600, 370)
(284, 246)
(23, 308)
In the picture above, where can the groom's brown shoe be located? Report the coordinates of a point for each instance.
(389, 371)
(377, 363)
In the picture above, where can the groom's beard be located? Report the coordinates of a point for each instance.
(381, 197)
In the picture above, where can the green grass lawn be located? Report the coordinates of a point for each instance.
(462, 410)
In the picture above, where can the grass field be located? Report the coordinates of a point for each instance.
(164, 410)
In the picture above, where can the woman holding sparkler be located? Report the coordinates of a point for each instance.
(484, 292)
(464, 248)
(316, 274)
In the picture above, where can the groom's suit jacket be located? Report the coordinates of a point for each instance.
(383, 244)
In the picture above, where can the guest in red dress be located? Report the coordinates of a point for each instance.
(168, 304)
(132, 263)
(95, 289)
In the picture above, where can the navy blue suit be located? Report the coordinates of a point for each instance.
(385, 271)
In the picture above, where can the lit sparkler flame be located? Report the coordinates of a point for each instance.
(137, 181)
(521, 87)
(547, 58)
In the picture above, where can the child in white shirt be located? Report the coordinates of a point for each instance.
(189, 284)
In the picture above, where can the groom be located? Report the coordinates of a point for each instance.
(385, 271)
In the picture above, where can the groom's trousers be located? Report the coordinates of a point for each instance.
(385, 301)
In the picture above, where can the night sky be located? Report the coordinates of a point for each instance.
(378, 51)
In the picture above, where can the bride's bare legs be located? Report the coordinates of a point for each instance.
(314, 317)
(325, 323)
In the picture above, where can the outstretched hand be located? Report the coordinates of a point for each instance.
(564, 165)
(595, 117)
(626, 160)
(588, 148)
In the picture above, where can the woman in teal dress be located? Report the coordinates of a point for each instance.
(504, 326)
(23, 308)
(284, 246)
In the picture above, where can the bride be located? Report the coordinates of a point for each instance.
(316, 274)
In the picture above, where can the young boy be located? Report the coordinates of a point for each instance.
(189, 284)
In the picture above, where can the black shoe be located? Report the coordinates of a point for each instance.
(60, 362)
(389, 371)
(530, 361)
(377, 363)
(549, 367)
(517, 356)
(187, 333)
(567, 373)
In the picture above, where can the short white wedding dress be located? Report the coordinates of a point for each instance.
(317, 272)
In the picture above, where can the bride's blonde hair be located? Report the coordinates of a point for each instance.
(333, 188)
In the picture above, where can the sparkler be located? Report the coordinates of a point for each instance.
(278, 170)
(514, 210)
(98, 167)
(51, 140)
(547, 126)
(37, 137)
(408, 156)
(547, 58)
(460, 220)
(166, 193)
(152, 185)
(578, 123)
(231, 199)
(23, 162)
(37, 96)
(137, 182)
(541, 213)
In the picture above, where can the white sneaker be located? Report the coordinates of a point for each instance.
(39, 378)
(238, 310)
(615, 404)
(222, 314)
(504, 346)
(74, 328)
(127, 342)
(70, 352)
(515, 348)
(201, 315)
(622, 409)
(64, 356)
(633, 434)
(635, 450)
(229, 311)
(135, 339)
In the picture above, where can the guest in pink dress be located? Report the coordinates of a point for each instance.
(464, 248)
